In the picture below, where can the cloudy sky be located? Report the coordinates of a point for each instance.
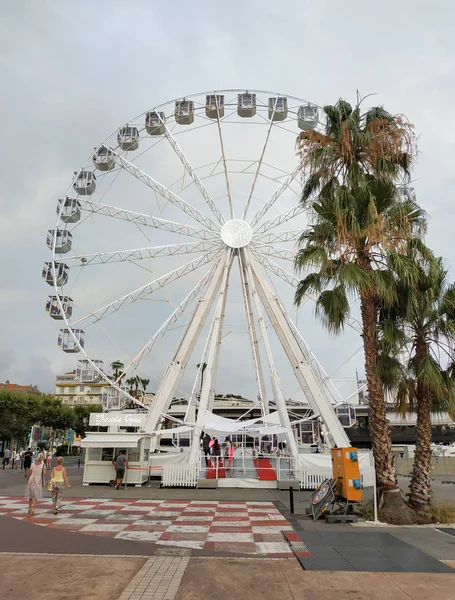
(72, 73)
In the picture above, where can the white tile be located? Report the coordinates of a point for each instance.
(98, 513)
(182, 544)
(230, 537)
(70, 521)
(190, 509)
(78, 507)
(104, 527)
(142, 536)
(148, 502)
(272, 548)
(263, 504)
(231, 514)
(147, 523)
(204, 502)
(239, 505)
(164, 513)
(174, 504)
(267, 511)
(135, 507)
(189, 528)
(189, 518)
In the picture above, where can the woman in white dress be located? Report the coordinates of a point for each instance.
(34, 489)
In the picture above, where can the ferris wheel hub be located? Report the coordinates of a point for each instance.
(236, 233)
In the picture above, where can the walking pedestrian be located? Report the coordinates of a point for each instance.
(120, 464)
(217, 453)
(206, 447)
(49, 460)
(228, 456)
(28, 461)
(58, 479)
(34, 489)
(17, 459)
(6, 457)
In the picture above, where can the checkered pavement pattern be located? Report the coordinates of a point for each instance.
(242, 528)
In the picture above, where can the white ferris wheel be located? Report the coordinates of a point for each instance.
(180, 208)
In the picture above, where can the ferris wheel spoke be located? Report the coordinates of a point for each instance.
(259, 164)
(276, 251)
(176, 314)
(143, 291)
(291, 235)
(288, 277)
(141, 253)
(282, 218)
(271, 201)
(192, 173)
(225, 168)
(166, 193)
(144, 219)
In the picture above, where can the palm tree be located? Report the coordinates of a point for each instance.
(117, 369)
(131, 381)
(422, 320)
(360, 224)
(144, 383)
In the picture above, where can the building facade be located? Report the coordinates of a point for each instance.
(72, 391)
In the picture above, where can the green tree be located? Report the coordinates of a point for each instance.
(421, 326)
(18, 412)
(117, 369)
(82, 417)
(359, 226)
(145, 382)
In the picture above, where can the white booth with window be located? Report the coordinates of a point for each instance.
(102, 447)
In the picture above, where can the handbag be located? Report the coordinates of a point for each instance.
(49, 485)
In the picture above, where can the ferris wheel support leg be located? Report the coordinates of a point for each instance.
(253, 336)
(211, 363)
(274, 376)
(312, 389)
(218, 348)
(175, 370)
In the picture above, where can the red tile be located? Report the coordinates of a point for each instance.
(231, 509)
(268, 537)
(221, 502)
(232, 519)
(302, 553)
(180, 536)
(292, 536)
(198, 514)
(215, 529)
(102, 533)
(145, 527)
(270, 523)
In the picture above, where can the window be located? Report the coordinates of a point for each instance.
(107, 454)
(81, 388)
(94, 454)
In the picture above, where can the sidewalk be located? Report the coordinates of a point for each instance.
(185, 578)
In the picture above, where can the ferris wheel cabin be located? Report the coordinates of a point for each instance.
(53, 308)
(85, 183)
(155, 122)
(86, 370)
(308, 117)
(278, 108)
(128, 138)
(62, 243)
(214, 106)
(69, 210)
(113, 398)
(67, 342)
(184, 112)
(61, 273)
(246, 105)
(104, 159)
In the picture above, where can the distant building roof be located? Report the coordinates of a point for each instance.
(15, 387)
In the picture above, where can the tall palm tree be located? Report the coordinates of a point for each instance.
(131, 381)
(360, 224)
(144, 384)
(117, 369)
(422, 322)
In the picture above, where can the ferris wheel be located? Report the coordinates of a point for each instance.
(197, 199)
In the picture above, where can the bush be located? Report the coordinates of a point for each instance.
(443, 512)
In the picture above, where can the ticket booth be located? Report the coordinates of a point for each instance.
(103, 446)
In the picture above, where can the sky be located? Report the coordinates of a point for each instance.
(72, 73)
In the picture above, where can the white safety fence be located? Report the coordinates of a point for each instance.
(180, 475)
(316, 468)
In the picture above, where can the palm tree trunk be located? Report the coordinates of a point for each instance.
(420, 487)
(393, 509)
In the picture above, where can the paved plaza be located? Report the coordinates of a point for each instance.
(163, 544)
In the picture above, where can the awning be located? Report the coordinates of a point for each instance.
(410, 420)
(111, 440)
